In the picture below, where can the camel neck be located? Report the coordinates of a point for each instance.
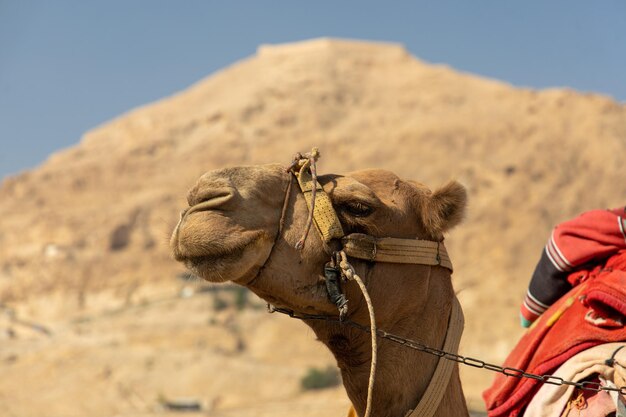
(402, 374)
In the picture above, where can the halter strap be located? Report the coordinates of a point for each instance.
(391, 249)
(441, 378)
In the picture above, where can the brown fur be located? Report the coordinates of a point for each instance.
(238, 240)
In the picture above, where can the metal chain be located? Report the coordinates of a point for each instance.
(465, 360)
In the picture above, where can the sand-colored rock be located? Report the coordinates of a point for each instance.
(89, 228)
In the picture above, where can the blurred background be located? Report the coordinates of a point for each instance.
(109, 112)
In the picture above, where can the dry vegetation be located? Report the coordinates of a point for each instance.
(83, 238)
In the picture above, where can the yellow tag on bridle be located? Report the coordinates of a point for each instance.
(324, 215)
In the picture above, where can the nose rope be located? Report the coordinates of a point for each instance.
(281, 226)
(281, 222)
(302, 163)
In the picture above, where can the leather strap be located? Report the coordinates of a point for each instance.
(389, 249)
(439, 383)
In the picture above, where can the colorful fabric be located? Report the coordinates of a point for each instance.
(588, 315)
(588, 239)
(552, 400)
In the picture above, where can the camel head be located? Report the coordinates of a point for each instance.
(242, 225)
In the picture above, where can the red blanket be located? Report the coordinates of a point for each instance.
(590, 314)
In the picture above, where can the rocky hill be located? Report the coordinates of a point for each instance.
(92, 223)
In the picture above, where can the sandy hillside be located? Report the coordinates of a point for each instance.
(83, 238)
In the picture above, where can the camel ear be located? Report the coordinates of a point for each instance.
(444, 208)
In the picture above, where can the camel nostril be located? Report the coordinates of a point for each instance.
(209, 198)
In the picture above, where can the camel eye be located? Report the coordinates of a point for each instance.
(358, 209)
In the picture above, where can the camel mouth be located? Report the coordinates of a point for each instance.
(238, 263)
(229, 227)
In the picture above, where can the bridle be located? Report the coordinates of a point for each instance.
(358, 245)
(374, 249)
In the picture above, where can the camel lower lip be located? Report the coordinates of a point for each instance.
(220, 253)
(218, 267)
(196, 262)
(206, 267)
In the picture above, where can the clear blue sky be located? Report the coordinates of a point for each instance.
(67, 66)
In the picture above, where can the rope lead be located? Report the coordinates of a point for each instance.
(348, 271)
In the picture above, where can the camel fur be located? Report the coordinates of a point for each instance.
(230, 232)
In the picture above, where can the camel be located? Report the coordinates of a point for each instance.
(243, 223)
